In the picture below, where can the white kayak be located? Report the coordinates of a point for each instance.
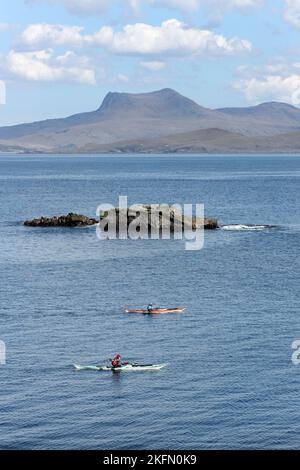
(124, 368)
(156, 311)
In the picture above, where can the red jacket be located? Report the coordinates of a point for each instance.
(116, 362)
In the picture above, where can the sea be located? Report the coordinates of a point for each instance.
(232, 379)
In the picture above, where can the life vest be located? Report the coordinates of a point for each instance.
(116, 361)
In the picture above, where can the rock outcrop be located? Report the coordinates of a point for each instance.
(150, 218)
(70, 220)
(154, 218)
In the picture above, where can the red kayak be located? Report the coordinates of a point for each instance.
(157, 310)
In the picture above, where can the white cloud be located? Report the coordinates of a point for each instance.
(273, 82)
(2, 92)
(153, 65)
(42, 65)
(66, 57)
(171, 37)
(223, 5)
(242, 3)
(80, 7)
(174, 37)
(177, 4)
(92, 7)
(122, 78)
(40, 34)
(56, 34)
(135, 5)
(97, 7)
(292, 12)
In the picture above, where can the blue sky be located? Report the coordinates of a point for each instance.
(59, 57)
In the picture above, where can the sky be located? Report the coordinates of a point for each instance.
(60, 57)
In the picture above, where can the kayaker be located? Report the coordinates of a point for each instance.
(116, 362)
(150, 308)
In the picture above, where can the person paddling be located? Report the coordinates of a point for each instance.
(150, 308)
(116, 362)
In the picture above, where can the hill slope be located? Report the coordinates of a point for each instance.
(215, 141)
(158, 118)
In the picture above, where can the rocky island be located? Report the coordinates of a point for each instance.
(70, 220)
(150, 217)
(155, 218)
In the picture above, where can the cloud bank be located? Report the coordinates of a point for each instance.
(97, 7)
(43, 65)
(171, 37)
(292, 12)
(80, 7)
(273, 82)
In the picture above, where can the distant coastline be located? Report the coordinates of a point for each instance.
(162, 122)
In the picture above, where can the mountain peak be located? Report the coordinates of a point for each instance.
(113, 96)
(164, 102)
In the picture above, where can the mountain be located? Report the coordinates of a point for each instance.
(155, 120)
(281, 115)
(163, 103)
(121, 116)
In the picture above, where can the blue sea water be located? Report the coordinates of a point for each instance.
(230, 382)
